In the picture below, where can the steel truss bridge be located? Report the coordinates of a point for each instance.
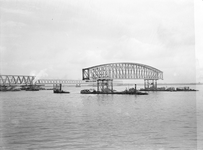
(8, 80)
(55, 81)
(104, 74)
(122, 71)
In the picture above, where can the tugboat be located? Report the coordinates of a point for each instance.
(58, 90)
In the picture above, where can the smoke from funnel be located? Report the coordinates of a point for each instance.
(40, 75)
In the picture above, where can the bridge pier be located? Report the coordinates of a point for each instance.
(105, 85)
(57, 86)
(150, 84)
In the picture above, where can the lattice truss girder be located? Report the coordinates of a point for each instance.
(54, 81)
(13, 79)
(122, 71)
(30, 80)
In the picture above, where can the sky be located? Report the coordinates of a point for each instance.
(55, 39)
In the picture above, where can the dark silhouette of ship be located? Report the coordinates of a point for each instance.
(58, 89)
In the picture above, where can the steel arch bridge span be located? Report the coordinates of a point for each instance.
(122, 71)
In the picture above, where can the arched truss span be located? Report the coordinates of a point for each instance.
(122, 71)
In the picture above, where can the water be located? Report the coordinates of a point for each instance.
(158, 121)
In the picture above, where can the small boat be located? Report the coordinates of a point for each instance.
(61, 91)
(58, 90)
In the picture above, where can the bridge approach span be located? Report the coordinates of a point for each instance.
(7, 80)
(55, 81)
(122, 71)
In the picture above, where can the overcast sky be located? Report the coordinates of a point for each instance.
(56, 39)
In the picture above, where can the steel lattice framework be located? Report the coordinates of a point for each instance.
(122, 71)
(54, 81)
(16, 79)
(30, 80)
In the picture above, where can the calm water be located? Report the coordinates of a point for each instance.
(158, 121)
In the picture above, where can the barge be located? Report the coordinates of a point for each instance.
(170, 89)
(131, 91)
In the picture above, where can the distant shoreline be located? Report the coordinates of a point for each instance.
(164, 84)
